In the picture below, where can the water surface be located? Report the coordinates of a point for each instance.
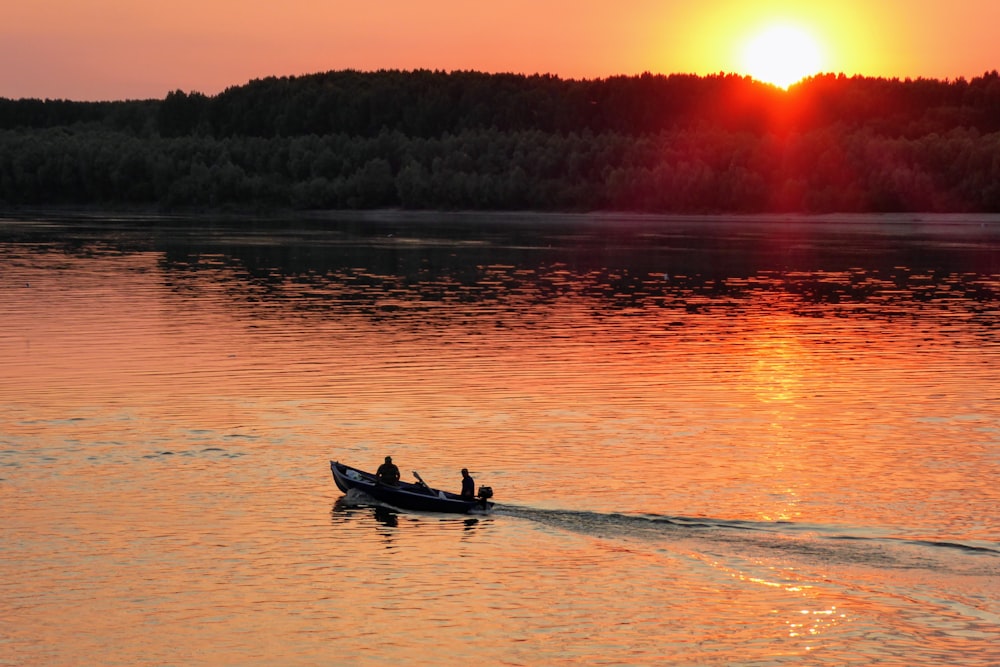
(752, 442)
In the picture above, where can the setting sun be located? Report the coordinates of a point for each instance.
(782, 55)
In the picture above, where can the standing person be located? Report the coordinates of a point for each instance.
(468, 484)
(388, 473)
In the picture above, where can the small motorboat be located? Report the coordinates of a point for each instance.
(413, 496)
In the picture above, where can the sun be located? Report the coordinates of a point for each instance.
(782, 55)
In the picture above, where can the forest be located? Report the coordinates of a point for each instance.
(469, 140)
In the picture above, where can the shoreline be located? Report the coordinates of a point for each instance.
(72, 214)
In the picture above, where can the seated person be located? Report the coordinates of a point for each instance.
(468, 484)
(388, 473)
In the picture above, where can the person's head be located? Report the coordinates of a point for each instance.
(465, 472)
(388, 459)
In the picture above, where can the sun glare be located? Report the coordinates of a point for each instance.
(782, 55)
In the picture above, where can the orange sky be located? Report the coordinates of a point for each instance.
(117, 49)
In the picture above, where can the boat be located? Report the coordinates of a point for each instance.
(410, 496)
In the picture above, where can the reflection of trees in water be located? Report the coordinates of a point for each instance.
(422, 277)
(476, 271)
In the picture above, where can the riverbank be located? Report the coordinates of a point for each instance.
(980, 223)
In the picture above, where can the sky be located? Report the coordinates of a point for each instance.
(139, 49)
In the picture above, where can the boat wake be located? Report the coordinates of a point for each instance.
(831, 544)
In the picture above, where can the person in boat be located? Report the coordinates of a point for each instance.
(388, 473)
(468, 484)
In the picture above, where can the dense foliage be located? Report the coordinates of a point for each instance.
(425, 139)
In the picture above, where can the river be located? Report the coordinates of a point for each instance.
(713, 441)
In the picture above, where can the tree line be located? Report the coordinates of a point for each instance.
(469, 140)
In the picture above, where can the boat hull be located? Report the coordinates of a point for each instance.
(405, 496)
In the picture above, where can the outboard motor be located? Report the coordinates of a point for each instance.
(485, 493)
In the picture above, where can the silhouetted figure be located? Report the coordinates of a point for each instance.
(468, 484)
(388, 473)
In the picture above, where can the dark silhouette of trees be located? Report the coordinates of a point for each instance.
(181, 114)
(431, 139)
